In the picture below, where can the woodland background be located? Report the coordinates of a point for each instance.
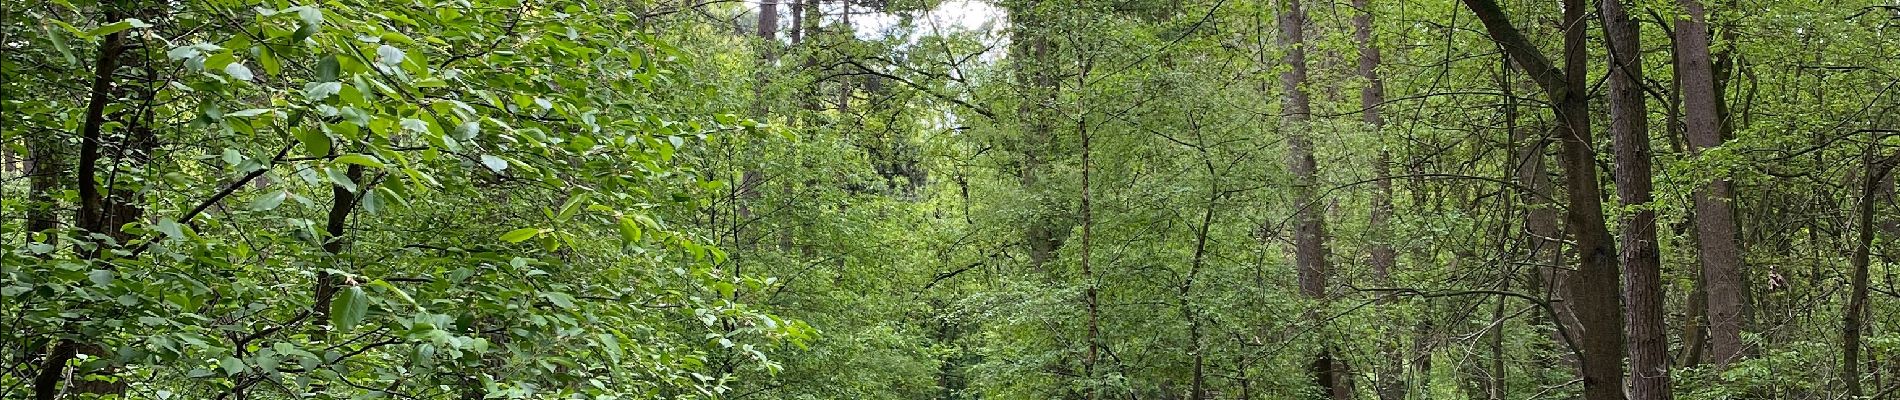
(924, 199)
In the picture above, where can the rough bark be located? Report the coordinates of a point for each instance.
(768, 19)
(1597, 294)
(797, 33)
(1648, 342)
(1717, 244)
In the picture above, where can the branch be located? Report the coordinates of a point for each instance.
(1498, 24)
(960, 102)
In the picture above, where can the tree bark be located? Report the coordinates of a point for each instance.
(1597, 294)
(1648, 342)
(1852, 318)
(342, 203)
(1309, 230)
(1717, 243)
(1388, 382)
(98, 213)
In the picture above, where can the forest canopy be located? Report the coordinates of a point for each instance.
(949, 199)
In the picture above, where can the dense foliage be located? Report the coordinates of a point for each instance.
(949, 199)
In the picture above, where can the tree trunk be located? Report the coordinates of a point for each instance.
(102, 213)
(1089, 282)
(1599, 311)
(1388, 381)
(342, 203)
(1852, 317)
(1715, 216)
(1309, 231)
(1648, 341)
(1189, 311)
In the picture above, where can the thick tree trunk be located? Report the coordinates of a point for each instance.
(768, 20)
(1715, 215)
(1648, 342)
(1596, 297)
(797, 33)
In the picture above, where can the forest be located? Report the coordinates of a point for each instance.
(950, 199)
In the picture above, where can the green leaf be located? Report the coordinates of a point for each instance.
(247, 112)
(519, 235)
(171, 228)
(612, 343)
(239, 71)
(269, 201)
(232, 366)
(389, 55)
(340, 178)
(494, 163)
(629, 230)
(563, 300)
(360, 159)
(117, 27)
(415, 125)
(59, 44)
(349, 308)
(328, 69)
(101, 277)
(573, 206)
(317, 91)
(393, 289)
(315, 142)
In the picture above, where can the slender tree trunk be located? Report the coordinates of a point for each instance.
(797, 33)
(1598, 291)
(1189, 311)
(96, 210)
(1715, 216)
(1648, 342)
(1089, 283)
(1309, 231)
(1852, 318)
(342, 203)
(1389, 382)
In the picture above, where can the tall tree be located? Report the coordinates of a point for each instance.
(1309, 219)
(1642, 262)
(1389, 381)
(1597, 293)
(1716, 240)
(1874, 171)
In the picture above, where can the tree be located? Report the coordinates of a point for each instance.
(1648, 346)
(1716, 240)
(1596, 289)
